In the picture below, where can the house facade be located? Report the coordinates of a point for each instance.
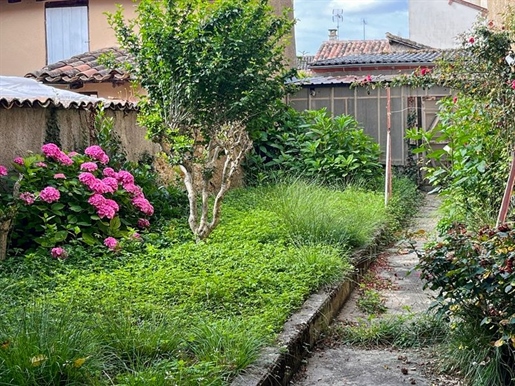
(58, 43)
(438, 23)
(36, 33)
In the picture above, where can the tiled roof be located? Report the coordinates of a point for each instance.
(22, 92)
(303, 62)
(85, 68)
(394, 39)
(414, 56)
(337, 48)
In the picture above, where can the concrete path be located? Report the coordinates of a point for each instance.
(334, 364)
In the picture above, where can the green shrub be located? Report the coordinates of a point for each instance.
(75, 196)
(473, 274)
(313, 145)
(471, 170)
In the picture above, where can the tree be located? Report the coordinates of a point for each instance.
(212, 71)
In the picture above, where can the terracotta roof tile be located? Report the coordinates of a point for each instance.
(85, 68)
(338, 48)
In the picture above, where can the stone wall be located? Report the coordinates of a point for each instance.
(25, 129)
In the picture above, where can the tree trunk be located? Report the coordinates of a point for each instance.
(5, 227)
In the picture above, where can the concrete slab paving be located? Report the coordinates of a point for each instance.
(338, 364)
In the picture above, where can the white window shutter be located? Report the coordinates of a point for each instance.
(66, 32)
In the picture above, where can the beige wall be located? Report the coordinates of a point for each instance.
(22, 129)
(496, 8)
(437, 23)
(22, 28)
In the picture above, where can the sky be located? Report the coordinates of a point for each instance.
(354, 18)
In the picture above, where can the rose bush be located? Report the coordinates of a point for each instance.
(64, 197)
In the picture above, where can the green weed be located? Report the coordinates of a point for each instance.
(399, 331)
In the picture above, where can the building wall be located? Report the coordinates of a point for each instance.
(437, 23)
(496, 8)
(23, 129)
(22, 28)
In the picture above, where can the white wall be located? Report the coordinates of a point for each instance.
(437, 23)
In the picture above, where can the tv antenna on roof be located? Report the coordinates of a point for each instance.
(364, 24)
(337, 16)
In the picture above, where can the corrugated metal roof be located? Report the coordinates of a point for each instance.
(341, 79)
(22, 92)
(414, 57)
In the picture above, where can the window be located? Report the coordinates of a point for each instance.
(67, 31)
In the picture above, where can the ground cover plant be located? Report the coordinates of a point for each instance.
(168, 309)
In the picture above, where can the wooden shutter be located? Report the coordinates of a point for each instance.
(66, 32)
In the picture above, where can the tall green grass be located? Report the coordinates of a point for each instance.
(45, 346)
(313, 213)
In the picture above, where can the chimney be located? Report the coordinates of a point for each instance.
(333, 34)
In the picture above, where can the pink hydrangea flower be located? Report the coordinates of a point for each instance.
(3, 170)
(96, 200)
(105, 207)
(41, 165)
(424, 71)
(87, 178)
(28, 198)
(58, 253)
(64, 159)
(72, 154)
(89, 166)
(134, 190)
(111, 182)
(51, 150)
(50, 194)
(143, 205)
(59, 176)
(125, 177)
(472, 40)
(143, 223)
(513, 84)
(97, 153)
(111, 243)
(136, 236)
(98, 186)
(109, 172)
(18, 160)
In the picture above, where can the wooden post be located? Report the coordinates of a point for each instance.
(388, 166)
(505, 205)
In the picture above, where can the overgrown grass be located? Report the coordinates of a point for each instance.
(469, 351)
(399, 331)
(170, 311)
(315, 214)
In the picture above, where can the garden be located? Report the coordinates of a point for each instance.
(112, 276)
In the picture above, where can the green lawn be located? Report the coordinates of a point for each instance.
(170, 311)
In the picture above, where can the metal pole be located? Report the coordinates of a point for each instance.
(388, 173)
(507, 193)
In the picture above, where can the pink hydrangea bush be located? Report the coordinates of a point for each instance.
(72, 196)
